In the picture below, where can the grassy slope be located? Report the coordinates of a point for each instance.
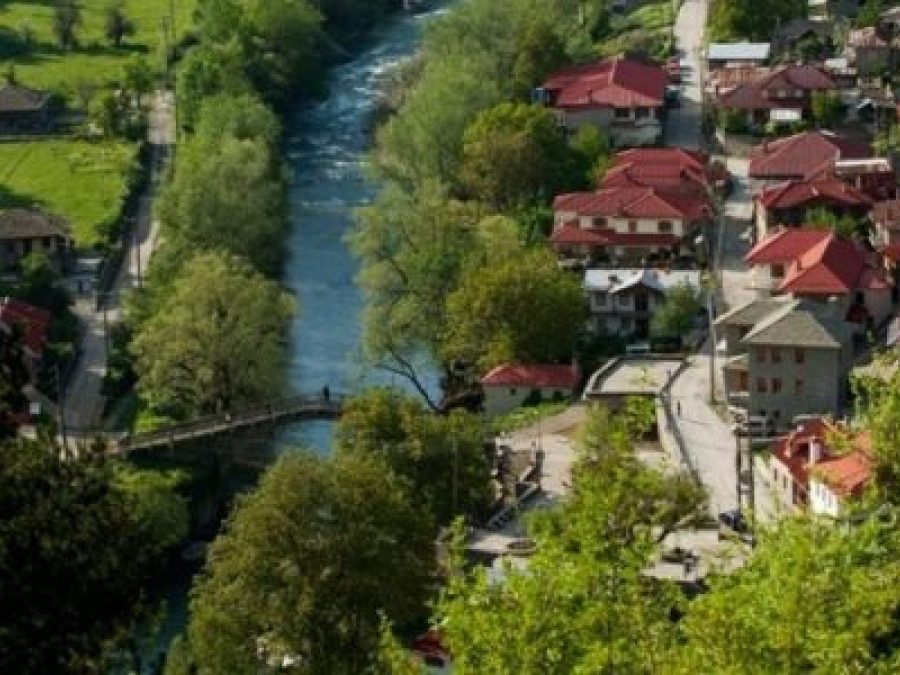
(95, 61)
(82, 181)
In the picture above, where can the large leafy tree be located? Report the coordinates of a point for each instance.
(215, 342)
(78, 539)
(306, 565)
(678, 312)
(13, 376)
(522, 310)
(743, 20)
(514, 154)
(441, 457)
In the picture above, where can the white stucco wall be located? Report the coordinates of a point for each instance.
(500, 400)
(822, 500)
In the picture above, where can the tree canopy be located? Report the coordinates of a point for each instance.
(306, 564)
(216, 340)
(678, 313)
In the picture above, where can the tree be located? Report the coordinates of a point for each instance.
(240, 116)
(789, 580)
(522, 310)
(514, 154)
(74, 555)
(138, 77)
(117, 25)
(14, 376)
(216, 341)
(888, 141)
(827, 108)
(869, 13)
(541, 51)
(107, 113)
(311, 558)
(227, 194)
(678, 313)
(66, 20)
(878, 399)
(822, 218)
(441, 457)
(593, 154)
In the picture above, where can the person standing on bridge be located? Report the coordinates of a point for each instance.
(325, 393)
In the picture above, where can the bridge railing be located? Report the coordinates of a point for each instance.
(236, 419)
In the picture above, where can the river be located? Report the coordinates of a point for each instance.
(325, 147)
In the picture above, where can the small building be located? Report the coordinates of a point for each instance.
(622, 301)
(737, 54)
(806, 156)
(509, 386)
(808, 473)
(820, 265)
(24, 110)
(624, 96)
(787, 204)
(628, 226)
(781, 94)
(789, 357)
(23, 231)
(30, 322)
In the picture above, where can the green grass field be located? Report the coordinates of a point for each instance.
(40, 63)
(82, 181)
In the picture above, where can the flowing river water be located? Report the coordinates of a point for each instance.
(325, 148)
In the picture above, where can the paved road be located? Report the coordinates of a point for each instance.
(84, 399)
(736, 236)
(683, 126)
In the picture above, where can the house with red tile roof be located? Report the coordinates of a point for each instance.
(671, 169)
(821, 266)
(779, 94)
(786, 204)
(508, 386)
(820, 466)
(806, 156)
(628, 224)
(624, 96)
(30, 322)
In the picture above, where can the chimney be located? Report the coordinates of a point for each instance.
(815, 450)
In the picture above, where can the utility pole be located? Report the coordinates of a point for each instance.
(455, 477)
(164, 29)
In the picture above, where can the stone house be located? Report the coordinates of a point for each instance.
(508, 386)
(788, 357)
(25, 230)
(24, 110)
(624, 96)
(622, 301)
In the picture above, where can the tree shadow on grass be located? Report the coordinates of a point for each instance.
(13, 200)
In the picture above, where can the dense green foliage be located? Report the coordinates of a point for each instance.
(743, 19)
(677, 315)
(216, 341)
(78, 538)
(306, 565)
(441, 458)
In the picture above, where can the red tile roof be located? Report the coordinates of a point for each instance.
(784, 246)
(892, 252)
(765, 92)
(535, 376)
(629, 202)
(611, 83)
(663, 168)
(572, 235)
(833, 266)
(32, 321)
(849, 474)
(804, 156)
(812, 193)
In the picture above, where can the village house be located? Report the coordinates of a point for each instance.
(624, 96)
(23, 231)
(820, 265)
(873, 50)
(830, 10)
(806, 156)
(782, 94)
(808, 473)
(675, 170)
(30, 322)
(622, 301)
(787, 204)
(509, 386)
(787, 357)
(629, 225)
(737, 54)
(24, 110)
(787, 37)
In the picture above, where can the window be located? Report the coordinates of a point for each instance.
(762, 385)
(761, 354)
(599, 222)
(626, 324)
(600, 299)
(48, 243)
(798, 387)
(776, 386)
(624, 301)
(512, 392)
(776, 355)
(632, 226)
(799, 356)
(641, 113)
(623, 113)
(665, 227)
(777, 271)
